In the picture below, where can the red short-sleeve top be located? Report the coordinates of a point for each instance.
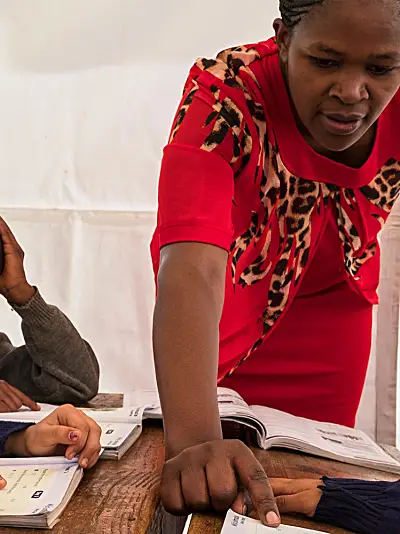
(237, 173)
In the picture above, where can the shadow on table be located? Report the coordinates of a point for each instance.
(164, 523)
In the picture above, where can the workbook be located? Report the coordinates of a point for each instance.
(274, 428)
(37, 491)
(120, 427)
(238, 524)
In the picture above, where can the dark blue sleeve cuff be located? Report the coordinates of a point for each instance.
(364, 507)
(6, 429)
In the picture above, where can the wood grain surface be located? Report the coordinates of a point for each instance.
(121, 497)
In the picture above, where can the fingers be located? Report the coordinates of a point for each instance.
(62, 435)
(171, 490)
(4, 408)
(7, 235)
(253, 477)
(297, 496)
(304, 502)
(195, 490)
(207, 476)
(91, 451)
(87, 439)
(9, 399)
(222, 484)
(239, 506)
(3, 483)
(73, 439)
(24, 399)
(287, 486)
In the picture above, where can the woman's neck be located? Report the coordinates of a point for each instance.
(355, 156)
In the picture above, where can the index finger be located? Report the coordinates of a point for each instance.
(253, 477)
(91, 450)
(88, 444)
(25, 400)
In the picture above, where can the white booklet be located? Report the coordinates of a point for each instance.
(120, 427)
(37, 491)
(238, 524)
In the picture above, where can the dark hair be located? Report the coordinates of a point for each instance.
(292, 11)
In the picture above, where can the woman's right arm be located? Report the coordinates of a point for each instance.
(202, 470)
(191, 283)
(190, 251)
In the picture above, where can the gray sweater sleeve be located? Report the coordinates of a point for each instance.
(55, 365)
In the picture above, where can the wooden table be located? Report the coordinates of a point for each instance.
(122, 497)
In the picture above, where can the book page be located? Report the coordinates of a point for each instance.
(34, 489)
(133, 415)
(228, 397)
(113, 435)
(337, 439)
(150, 399)
(238, 524)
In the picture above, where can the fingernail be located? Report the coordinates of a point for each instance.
(273, 519)
(244, 511)
(84, 463)
(73, 436)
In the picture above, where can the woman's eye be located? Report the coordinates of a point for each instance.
(378, 70)
(324, 63)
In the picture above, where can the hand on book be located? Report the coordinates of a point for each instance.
(66, 431)
(297, 496)
(12, 399)
(207, 476)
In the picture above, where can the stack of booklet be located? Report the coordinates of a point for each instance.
(120, 427)
(37, 491)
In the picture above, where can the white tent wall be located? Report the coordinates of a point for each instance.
(88, 92)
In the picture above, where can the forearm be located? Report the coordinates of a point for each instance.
(186, 343)
(61, 363)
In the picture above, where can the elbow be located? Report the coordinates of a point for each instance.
(91, 381)
(82, 393)
(90, 388)
(87, 385)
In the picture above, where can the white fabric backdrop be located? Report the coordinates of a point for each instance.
(88, 92)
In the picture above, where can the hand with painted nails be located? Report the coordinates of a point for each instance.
(66, 431)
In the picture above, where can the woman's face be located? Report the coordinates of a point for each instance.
(342, 64)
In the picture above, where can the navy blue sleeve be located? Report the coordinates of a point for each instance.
(364, 507)
(6, 429)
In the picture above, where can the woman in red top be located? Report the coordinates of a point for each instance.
(281, 169)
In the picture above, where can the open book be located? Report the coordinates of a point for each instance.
(238, 524)
(37, 491)
(120, 428)
(272, 428)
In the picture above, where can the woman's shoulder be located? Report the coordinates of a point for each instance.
(235, 67)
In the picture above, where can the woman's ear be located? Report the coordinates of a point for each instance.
(282, 36)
